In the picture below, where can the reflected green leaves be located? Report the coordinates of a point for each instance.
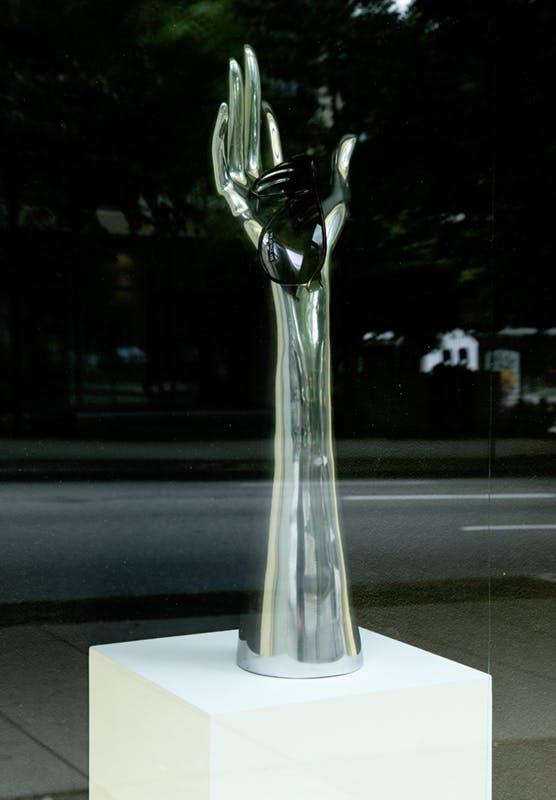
(104, 102)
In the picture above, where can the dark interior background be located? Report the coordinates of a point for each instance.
(128, 298)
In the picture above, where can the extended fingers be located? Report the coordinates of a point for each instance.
(243, 152)
(236, 141)
(252, 121)
(236, 162)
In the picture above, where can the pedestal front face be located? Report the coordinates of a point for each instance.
(177, 719)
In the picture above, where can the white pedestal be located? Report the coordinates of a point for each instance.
(176, 719)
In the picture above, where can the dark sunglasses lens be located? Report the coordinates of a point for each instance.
(292, 246)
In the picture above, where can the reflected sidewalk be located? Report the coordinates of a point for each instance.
(35, 458)
(43, 708)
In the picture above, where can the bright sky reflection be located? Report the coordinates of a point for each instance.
(401, 5)
(296, 259)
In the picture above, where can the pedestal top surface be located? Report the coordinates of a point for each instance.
(201, 669)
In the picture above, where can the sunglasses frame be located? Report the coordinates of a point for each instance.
(289, 167)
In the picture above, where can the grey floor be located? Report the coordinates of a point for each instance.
(44, 693)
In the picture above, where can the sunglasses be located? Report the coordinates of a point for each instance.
(292, 244)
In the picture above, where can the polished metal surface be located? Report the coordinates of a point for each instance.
(304, 626)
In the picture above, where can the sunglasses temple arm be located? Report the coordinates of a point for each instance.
(305, 620)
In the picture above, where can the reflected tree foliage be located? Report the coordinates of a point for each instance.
(111, 104)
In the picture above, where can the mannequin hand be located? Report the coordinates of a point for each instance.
(237, 160)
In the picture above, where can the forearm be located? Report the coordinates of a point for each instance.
(303, 440)
(306, 610)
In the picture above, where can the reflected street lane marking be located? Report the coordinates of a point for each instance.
(508, 528)
(481, 496)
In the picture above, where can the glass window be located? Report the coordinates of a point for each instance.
(138, 343)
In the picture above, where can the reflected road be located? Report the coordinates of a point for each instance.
(89, 540)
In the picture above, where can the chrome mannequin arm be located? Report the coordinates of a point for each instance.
(305, 625)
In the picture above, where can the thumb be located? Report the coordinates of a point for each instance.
(341, 160)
